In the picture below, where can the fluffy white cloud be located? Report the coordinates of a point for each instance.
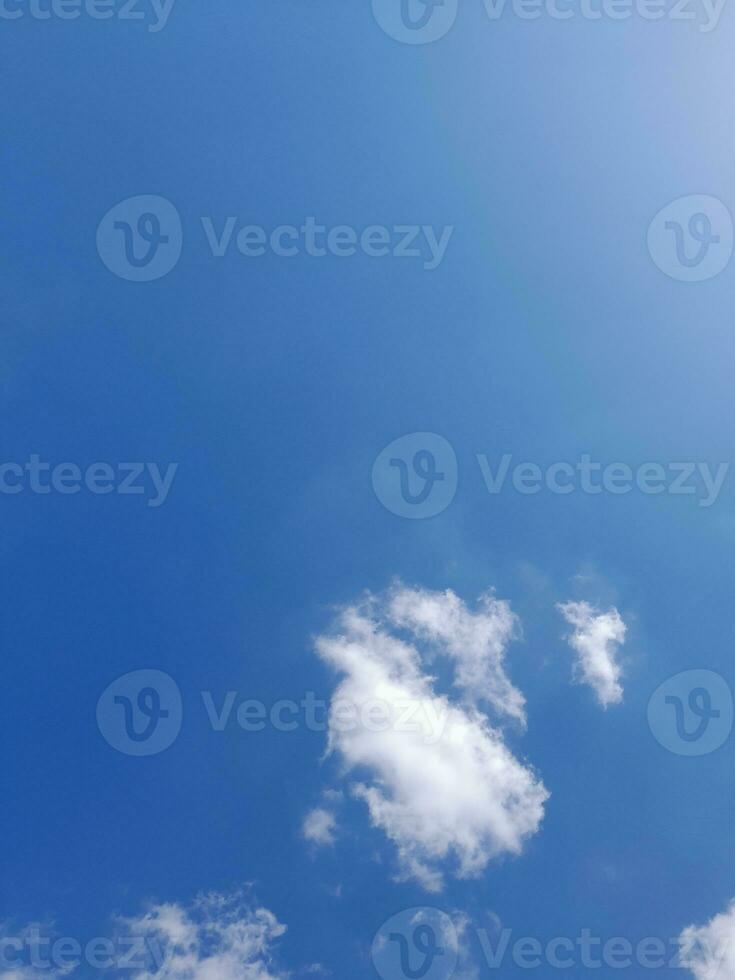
(320, 826)
(709, 950)
(219, 938)
(436, 776)
(475, 640)
(595, 640)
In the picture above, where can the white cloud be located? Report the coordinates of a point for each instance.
(595, 640)
(475, 640)
(319, 827)
(709, 950)
(455, 795)
(219, 938)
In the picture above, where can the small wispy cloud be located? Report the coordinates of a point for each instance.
(220, 936)
(319, 827)
(596, 638)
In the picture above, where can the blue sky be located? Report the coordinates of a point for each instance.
(545, 332)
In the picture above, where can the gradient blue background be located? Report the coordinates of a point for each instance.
(546, 332)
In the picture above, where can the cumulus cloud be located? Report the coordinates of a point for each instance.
(320, 826)
(709, 950)
(437, 777)
(596, 638)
